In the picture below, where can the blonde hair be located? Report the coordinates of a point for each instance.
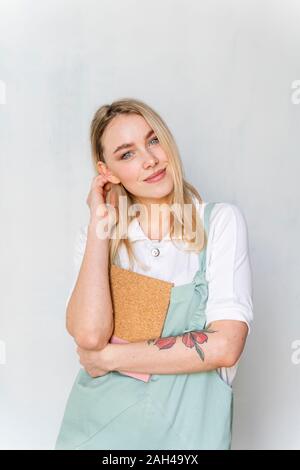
(183, 191)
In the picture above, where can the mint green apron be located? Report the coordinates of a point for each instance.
(171, 411)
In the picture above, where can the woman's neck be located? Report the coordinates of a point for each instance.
(156, 218)
(157, 226)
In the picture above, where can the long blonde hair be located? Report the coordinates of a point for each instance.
(183, 191)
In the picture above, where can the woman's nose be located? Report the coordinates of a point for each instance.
(150, 161)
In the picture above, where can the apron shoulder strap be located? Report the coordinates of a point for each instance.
(207, 211)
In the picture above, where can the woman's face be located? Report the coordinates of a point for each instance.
(132, 153)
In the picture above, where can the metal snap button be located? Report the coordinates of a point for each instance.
(155, 252)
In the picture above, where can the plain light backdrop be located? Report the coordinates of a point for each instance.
(224, 75)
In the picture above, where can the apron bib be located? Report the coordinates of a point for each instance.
(170, 411)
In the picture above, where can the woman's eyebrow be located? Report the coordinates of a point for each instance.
(125, 146)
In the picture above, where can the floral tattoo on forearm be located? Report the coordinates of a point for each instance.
(191, 339)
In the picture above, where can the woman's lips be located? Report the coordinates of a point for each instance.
(156, 178)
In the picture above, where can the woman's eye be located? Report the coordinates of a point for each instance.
(124, 154)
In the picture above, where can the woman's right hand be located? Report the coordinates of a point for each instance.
(96, 199)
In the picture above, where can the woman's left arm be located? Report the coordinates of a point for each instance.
(220, 344)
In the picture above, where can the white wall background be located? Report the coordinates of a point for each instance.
(221, 74)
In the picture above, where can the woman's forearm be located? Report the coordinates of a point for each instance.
(197, 351)
(220, 344)
(89, 315)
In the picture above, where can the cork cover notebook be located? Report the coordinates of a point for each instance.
(140, 305)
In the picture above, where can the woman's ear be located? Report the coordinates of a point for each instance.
(103, 170)
(114, 179)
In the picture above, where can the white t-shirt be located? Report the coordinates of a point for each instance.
(228, 268)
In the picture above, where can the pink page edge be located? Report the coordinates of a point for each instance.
(137, 375)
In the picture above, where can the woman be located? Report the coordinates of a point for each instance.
(188, 401)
